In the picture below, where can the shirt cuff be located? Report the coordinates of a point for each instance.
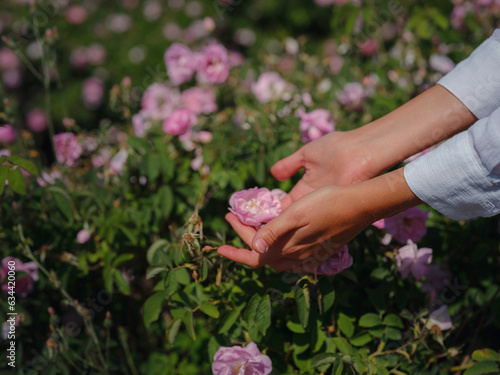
(453, 180)
(486, 139)
(476, 80)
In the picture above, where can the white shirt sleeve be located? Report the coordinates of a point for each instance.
(461, 178)
(476, 80)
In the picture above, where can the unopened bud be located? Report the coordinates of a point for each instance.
(51, 311)
(126, 82)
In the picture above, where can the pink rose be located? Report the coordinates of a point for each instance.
(441, 318)
(83, 236)
(199, 100)
(435, 280)
(36, 120)
(180, 122)
(270, 86)
(213, 64)
(241, 361)
(7, 134)
(140, 124)
(8, 59)
(92, 92)
(368, 47)
(76, 15)
(336, 263)
(441, 63)
(315, 124)
(414, 260)
(159, 101)
(255, 206)
(180, 62)
(68, 149)
(407, 225)
(26, 275)
(353, 96)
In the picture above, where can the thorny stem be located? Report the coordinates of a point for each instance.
(88, 324)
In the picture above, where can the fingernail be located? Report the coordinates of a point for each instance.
(261, 246)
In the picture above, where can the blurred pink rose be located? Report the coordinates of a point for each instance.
(457, 16)
(368, 47)
(76, 15)
(213, 64)
(180, 62)
(26, 275)
(336, 263)
(119, 23)
(204, 136)
(83, 236)
(68, 149)
(12, 78)
(255, 206)
(235, 58)
(103, 156)
(8, 59)
(93, 92)
(441, 318)
(336, 63)
(117, 163)
(353, 96)
(7, 134)
(414, 260)
(407, 225)
(140, 124)
(435, 280)
(36, 120)
(240, 361)
(180, 122)
(95, 54)
(199, 100)
(380, 224)
(159, 101)
(315, 124)
(270, 86)
(441, 63)
(278, 193)
(49, 178)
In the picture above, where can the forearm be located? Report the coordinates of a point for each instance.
(426, 120)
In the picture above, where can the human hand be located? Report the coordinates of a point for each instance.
(313, 227)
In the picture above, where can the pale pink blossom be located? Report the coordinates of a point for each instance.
(441, 318)
(407, 225)
(457, 16)
(199, 100)
(101, 158)
(8, 59)
(83, 236)
(352, 96)
(180, 122)
(76, 14)
(441, 63)
(336, 263)
(315, 124)
(117, 163)
(180, 62)
(159, 101)
(68, 149)
(380, 224)
(435, 280)
(49, 178)
(7, 134)
(235, 58)
(36, 120)
(204, 136)
(119, 23)
(411, 259)
(241, 361)
(93, 92)
(213, 64)
(270, 87)
(255, 206)
(336, 63)
(26, 275)
(278, 193)
(368, 47)
(140, 124)
(12, 78)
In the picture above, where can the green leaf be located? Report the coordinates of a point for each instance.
(27, 165)
(361, 339)
(263, 315)
(392, 333)
(343, 346)
(369, 320)
(138, 143)
(204, 269)
(152, 308)
(150, 254)
(324, 359)
(4, 170)
(166, 196)
(16, 181)
(167, 167)
(392, 320)
(439, 19)
(295, 327)
(485, 355)
(210, 310)
(377, 332)
(327, 294)
(122, 258)
(170, 283)
(187, 319)
(302, 299)
(107, 274)
(251, 309)
(173, 330)
(345, 325)
(229, 321)
(153, 271)
(152, 166)
(122, 284)
(483, 367)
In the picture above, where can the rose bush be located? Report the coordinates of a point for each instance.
(155, 113)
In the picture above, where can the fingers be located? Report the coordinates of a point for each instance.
(245, 232)
(287, 167)
(243, 256)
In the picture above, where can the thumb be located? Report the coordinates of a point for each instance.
(287, 167)
(271, 233)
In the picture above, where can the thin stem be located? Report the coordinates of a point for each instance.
(123, 340)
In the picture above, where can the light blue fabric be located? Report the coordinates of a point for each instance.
(461, 178)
